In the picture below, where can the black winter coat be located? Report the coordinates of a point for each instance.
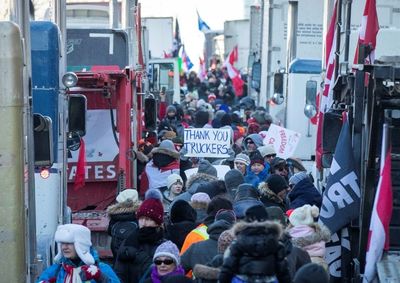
(135, 256)
(256, 253)
(304, 192)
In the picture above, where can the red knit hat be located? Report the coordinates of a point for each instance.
(152, 207)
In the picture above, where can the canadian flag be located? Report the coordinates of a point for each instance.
(80, 167)
(378, 237)
(368, 30)
(233, 73)
(326, 99)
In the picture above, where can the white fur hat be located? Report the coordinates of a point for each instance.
(78, 235)
(128, 194)
(172, 179)
(304, 215)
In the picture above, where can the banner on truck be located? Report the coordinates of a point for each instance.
(205, 142)
(284, 140)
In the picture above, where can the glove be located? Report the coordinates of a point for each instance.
(89, 272)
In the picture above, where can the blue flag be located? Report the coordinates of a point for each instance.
(341, 198)
(186, 60)
(202, 24)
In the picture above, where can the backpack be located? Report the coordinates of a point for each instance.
(120, 231)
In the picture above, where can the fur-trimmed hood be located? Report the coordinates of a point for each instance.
(321, 233)
(266, 192)
(123, 207)
(265, 226)
(173, 154)
(206, 272)
(198, 178)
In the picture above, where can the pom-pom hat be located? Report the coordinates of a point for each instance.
(304, 215)
(152, 207)
(128, 194)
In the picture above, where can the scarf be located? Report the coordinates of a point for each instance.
(157, 278)
(150, 235)
(72, 274)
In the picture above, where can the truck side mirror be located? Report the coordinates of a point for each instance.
(277, 97)
(150, 113)
(256, 76)
(310, 109)
(332, 125)
(77, 106)
(43, 140)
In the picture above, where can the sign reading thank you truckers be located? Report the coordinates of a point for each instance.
(206, 142)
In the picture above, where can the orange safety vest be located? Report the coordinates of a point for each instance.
(196, 235)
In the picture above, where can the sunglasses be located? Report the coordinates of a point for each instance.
(249, 142)
(270, 155)
(165, 261)
(283, 168)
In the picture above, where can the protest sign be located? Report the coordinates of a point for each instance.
(284, 141)
(205, 142)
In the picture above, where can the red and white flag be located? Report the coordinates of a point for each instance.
(202, 70)
(80, 167)
(378, 237)
(326, 99)
(368, 30)
(233, 73)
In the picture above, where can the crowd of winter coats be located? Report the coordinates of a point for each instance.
(257, 223)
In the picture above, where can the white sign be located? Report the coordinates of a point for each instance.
(284, 141)
(221, 171)
(206, 142)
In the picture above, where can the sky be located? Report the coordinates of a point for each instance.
(213, 12)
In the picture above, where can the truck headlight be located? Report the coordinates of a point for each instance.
(70, 79)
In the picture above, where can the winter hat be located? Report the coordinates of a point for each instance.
(168, 249)
(205, 167)
(304, 215)
(276, 183)
(181, 211)
(241, 157)
(276, 213)
(167, 144)
(256, 157)
(296, 178)
(266, 150)
(276, 162)
(311, 272)
(78, 235)
(201, 118)
(172, 179)
(211, 96)
(246, 191)
(213, 188)
(227, 215)
(171, 108)
(224, 240)
(226, 120)
(200, 198)
(169, 135)
(152, 207)
(128, 194)
(256, 213)
(233, 178)
(217, 204)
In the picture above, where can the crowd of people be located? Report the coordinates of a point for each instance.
(257, 223)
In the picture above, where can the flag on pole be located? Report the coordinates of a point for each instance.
(203, 27)
(326, 99)
(378, 237)
(341, 198)
(177, 40)
(233, 73)
(80, 167)
(368, 30)
(186, 60)
(202, 74)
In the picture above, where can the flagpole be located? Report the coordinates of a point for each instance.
(385, 144)
(338, 31)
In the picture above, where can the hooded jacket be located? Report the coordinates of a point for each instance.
(154, 177)
(269, 198)
(120, 212)
(304, 192)
(256, 253)
(193, 183)
(58, 272)
(256, 138)
(204, 251)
